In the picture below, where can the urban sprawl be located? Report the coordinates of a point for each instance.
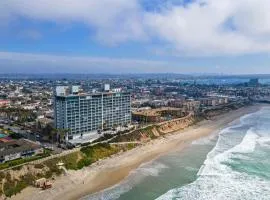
(43, 119)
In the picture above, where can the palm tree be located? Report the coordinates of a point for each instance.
(53, 132)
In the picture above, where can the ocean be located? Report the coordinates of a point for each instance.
(233, 164)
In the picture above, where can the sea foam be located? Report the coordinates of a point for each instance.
(229, 171)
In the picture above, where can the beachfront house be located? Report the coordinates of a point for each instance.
(16, 149)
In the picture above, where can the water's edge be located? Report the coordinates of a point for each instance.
(188, 173)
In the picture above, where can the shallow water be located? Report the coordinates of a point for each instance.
(233, 165)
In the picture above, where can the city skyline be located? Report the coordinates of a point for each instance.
(136, 36)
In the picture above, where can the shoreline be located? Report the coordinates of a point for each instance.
(92, 179)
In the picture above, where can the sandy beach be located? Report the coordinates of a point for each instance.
(110, 171)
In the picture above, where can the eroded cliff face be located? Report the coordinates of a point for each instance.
(176, 124)
(15, 180)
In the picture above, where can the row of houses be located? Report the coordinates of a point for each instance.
(175, 108)
(189, 105)
(186, 104)
(213, 101)
(149, 115)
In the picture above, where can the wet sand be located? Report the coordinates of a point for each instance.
(110, 171)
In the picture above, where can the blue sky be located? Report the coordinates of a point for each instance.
(135, 36)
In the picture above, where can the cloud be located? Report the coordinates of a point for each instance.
(214, 27)
(114, 21)
(11, 62)
(41, 63)
(186, 28)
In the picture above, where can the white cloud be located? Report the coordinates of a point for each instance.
(26, 62)
(11, 62)
(201, 30)
(203, 27)
(115, 21)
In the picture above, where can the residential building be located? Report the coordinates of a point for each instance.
(15, 149)
(83, 113)
(157, 115)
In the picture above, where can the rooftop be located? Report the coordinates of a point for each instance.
(16, 146)
(66, 91)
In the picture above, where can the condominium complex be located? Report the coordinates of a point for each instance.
(82, 113)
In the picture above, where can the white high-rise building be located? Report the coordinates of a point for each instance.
(82, 113)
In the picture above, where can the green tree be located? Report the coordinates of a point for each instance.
(62, 133)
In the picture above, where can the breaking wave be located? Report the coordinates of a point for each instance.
(238, 168)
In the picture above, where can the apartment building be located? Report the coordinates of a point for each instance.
(82, 113)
